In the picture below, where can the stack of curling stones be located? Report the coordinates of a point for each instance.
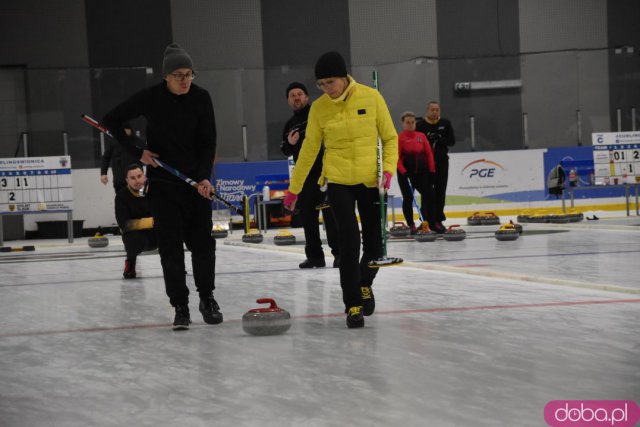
(507, 232)
(399, 229)
(542, 216)
(424, 234)
(454, 234)
(488, 218)
(98, 241)
(27, 248)
(272, 320)
(219, 231)
(284, 238)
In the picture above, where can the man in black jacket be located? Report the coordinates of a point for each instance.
(311, 195)
(134, 218)
(119, 159)
(440, 134)
(181, 130)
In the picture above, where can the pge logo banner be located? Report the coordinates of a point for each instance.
(493, 173)
(482, 168)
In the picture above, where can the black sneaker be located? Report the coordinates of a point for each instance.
(183, 319)
(129, 269)
(439, 228)
(355, 318)
(210, 311)
(368, 300)
(308, 263)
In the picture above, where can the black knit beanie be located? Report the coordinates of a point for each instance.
(175, 57)
(297, 85)
(330, 64)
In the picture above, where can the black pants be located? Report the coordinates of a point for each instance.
(422, 184)
(180, 216)
(440, 188)
(354, 271)
(138, 241)
(309, 198)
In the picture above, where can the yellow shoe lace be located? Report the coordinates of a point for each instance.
(366, 292)
(355, 311)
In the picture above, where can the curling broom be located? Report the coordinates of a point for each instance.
(384, 261)
(91, 121)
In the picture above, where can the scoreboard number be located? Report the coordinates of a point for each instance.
(616, 157)
(35, 185)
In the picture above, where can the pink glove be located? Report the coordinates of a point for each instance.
(290, 201)
(386, 180)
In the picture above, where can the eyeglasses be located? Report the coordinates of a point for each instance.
(181, 76)
(322, 85)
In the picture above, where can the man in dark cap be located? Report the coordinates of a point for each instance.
(181, 129)
(311, 195)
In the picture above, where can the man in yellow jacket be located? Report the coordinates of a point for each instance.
(349, 118)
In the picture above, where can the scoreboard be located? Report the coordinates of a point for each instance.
(616, 157)
(35, 185)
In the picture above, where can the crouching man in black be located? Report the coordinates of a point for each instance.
(134, 218)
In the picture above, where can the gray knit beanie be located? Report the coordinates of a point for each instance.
(175, 57)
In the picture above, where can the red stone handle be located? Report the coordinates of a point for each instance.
(273, 308)
(268, 301)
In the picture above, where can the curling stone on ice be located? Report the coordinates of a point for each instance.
(507, 232)
(271, 320)
(98, 241)
(253, 236)
(454, 233)
(424, 234)
(399, 229)
(516, 226)
(490, 218)
(219, 231)
(284, 238)
(474, 219)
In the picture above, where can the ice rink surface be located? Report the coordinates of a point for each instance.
(471, 333)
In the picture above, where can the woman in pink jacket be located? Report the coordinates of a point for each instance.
(416, 168)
